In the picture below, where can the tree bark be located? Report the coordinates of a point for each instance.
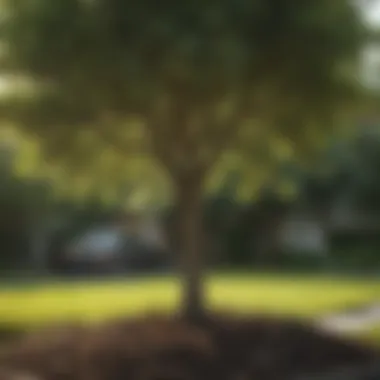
(190, 245)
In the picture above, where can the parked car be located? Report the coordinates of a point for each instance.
(111, 250)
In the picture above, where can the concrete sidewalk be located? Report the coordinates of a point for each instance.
(351, 320)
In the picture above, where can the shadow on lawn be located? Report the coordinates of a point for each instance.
(161, 348)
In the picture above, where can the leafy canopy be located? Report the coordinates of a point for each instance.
(184, 80)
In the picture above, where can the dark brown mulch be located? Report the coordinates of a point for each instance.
(10, 333)
(159, 348)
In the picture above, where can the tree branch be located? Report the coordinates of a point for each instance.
(222, 135)
(126, 148)
(104, 130)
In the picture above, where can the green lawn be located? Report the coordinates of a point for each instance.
(91, 301)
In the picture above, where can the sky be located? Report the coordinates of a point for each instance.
(372, 12)
(371, 56)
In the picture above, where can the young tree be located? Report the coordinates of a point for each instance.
(182, 81)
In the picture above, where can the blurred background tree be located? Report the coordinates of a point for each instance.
(185, 89)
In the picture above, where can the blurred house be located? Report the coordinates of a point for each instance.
(303, 234)
(306, 232)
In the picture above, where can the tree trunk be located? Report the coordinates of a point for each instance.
(190, 246)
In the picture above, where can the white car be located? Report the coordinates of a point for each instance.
(97, 244)
(112, 249)
(99, 250)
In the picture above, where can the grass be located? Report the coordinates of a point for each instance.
(369, 335)
(373, 334)
(32, 305)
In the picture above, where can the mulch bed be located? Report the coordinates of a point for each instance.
(167, 348)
